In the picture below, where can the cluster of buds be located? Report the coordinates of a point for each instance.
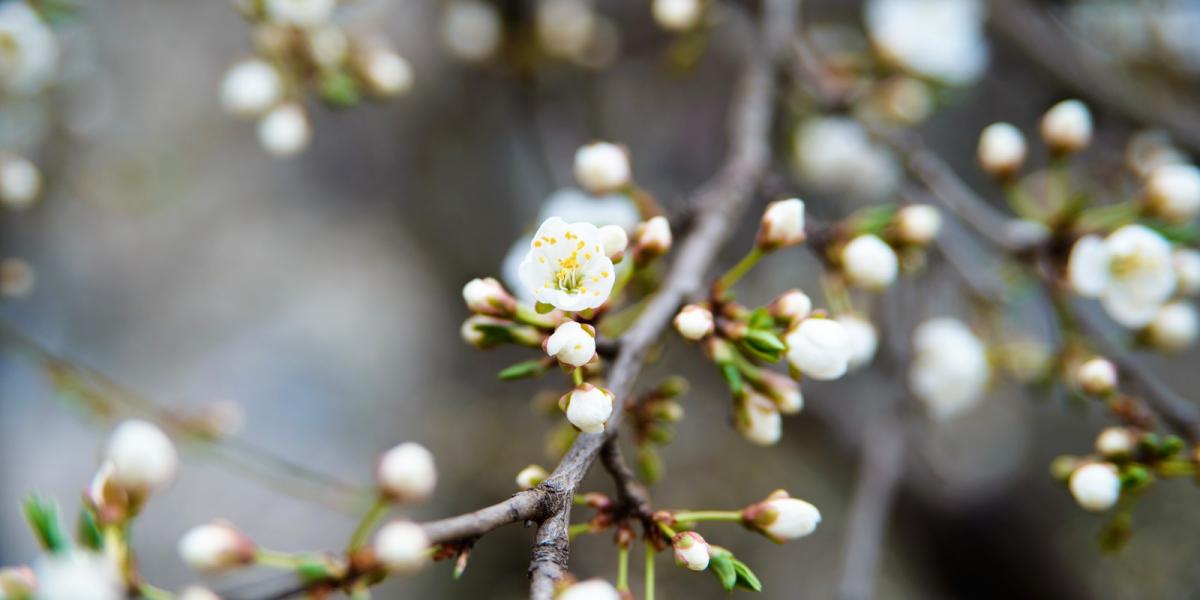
(299, 49)
(652, 417)
(868, 245)
(405, 474)
(1127, 461)
(494, 319)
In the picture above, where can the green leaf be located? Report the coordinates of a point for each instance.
(339, 89)
(765, 340)
(523, 370)
(746, 578)
(88, 532)
(43, 519)
(733, 377)
(759, 352)
(543, 308)
(722, 567)
(761, 319)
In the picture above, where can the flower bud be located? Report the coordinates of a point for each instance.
(301, 13)
(406, 473)
(1097, 376)
(863, 339)
(588, 407)
(918, 224)
(142, 456)
(215, 547)
(1187, 270)
(602, 167)
(1173, 191)
(250, 88)
(488, 297)
(869, 262)
(1174, 327)
(592, 589)
(1001, 150)
(783, 391)
(677, 15)
(531, 476)
(473, 332)
(694, 322)
(781, 517)
(285, 130)
(109, 501)
(195, 592)
(1095, 486)
(791, 306)
(328, 46)
(572, 344)
(819, 348)
(1116, 442)
(20, 181)
(614, 240)
(691, 550)
(472, 30)
(758, 420)
(1067, 127)
(402, 547)
(385, 72)
(782, 224)
(652, 238)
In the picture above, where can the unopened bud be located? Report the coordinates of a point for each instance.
(758, 420)
(488, 297)
(614, 240)
(602, 167)
(588, 407)
(385, 72)
(572, 344)
(406, 473)
(1174, 327)
(216, 547)
(20, 181)
(652, 238)
(694, 322)
(402, 547)
(1097, 376)
(1116, 442)
(1001, 150)
(918, 224)
(691, 550)
(782, 224)
(1173, 191)
(1067, 127)
(142, 456)
(1096, 486)
(869, 262)
(791, 306)
(531, 476)
(781, 517)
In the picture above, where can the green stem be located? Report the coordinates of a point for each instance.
(737, 271)
(577, 376)
(623, 569)
(649, 570)
(377, 511)
(577, 530)
(528, 315)
(666, 529)
(708, 515)
(150, 592)
(279, 560)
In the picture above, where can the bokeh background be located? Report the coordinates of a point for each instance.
(321, 296)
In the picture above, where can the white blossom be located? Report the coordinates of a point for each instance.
(529, 477)
(215, 547)
(488, 297)
(1130, 271)
(1067, 126)
(402, 547)
(284, 131)
(691, 551)
(1173, 191)
(677, 15)
(566, 266)
(1095, 486)
(653, 237)
(1174, 326)
(1187, 270)
(819, 348)
(836, 155)
(250, 88)
(386, 73)
(572, 344)
(940, 39)
(588, 407)
(863, 339)
(328, 46)
(592, 589)
(602, 167)
(20, 181)
(407, 473)
(1116, 442)
(566, 27)
(1097, 376)
(950, 369)
(758, 420)
(28, 50)
(782, 224)
(77, 575)
(781, 517)
(918, 224)
(471, 29)
(614, 240)
(301, 13)
(1001, 150)
(792, 306)
(143, 457)
(694, 322)
(870, 262)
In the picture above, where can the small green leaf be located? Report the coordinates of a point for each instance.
(765, 340)
(722, 567)
(746, 578)
(88, 532)
(543, 308)
(733, 377)
(339, 89)
(43, 519)
(761, 319)
(523, 370)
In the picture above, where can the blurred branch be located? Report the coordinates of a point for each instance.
(1051, 47)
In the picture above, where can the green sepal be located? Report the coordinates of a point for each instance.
(43, 519)
(722, 568)
(761, 319)
(745, 577)
(543, 308)
(734, 377)
(87, 532)
(339, 90)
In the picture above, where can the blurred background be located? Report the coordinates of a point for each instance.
(320, 296)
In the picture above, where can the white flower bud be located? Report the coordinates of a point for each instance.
(918, 224)
(471, 30)
(588, 407)
(250, 88)
(1067, 126)
(301, 13)
(1097, 376)
(614, 240)
(791, 306)
(406, 473)
(78, 575)
(592, 589)
(694, 322)
(691, 551)
(1173, 191)
(1187, 270)
(758, 420)
(328, 46)
(1095, 486)
(386, 73)
(602, 167)
(869, 262)
(781, 517)
(195, 592)
(567, 28)
(677, 15)
(1116, 442)
(488, 297)
(17, 278)
(142, 456)
(863, 339)
(784, 392)
(1001, 150)
(531, 476)
(950, 369)
(20, 182)
(215, 547)
(653, 237)
(1174, 327)
(402, 547)
(782, 224)
(572, 344)
(819, 348)
(285, 130)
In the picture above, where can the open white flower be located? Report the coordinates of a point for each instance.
(142, 456)
(782, 224)
(758, 420)
(250, 88)
(20, 181)
(691, 551)
(950, 369)
(588, 407)
(77, 575)
(1174, 326)
(694, 322)
(602, 167)
(863, 339)
(1001, 150)
(1067, 126)
(819, 348)
(1187, 270)
(28, 50)
(592, 589)
(215, 547)
(471, 29)
(572, 344)
(407, 473)
(402, 547)
(1130, 271)
(903, 32)
(677, 15)
(301, 13)
(870, 262)
(566, 266)
(1095, 486)
(781, 517)
(1173, 191)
